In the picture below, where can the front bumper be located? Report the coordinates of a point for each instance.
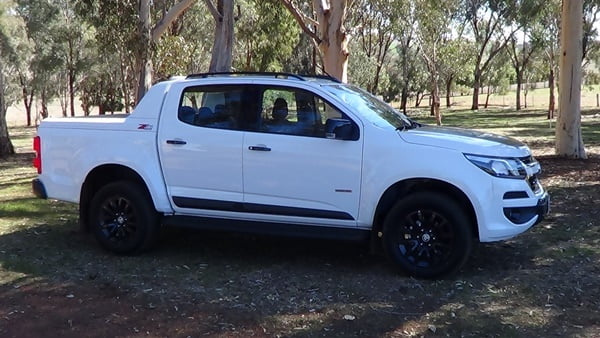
(39, 189)
(522, 215)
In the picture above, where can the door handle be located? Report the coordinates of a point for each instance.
(180, 142)
(259, 148)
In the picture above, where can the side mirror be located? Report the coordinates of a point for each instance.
(340, 129)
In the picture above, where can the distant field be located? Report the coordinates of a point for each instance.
(536, 99)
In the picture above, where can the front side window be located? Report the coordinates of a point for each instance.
(295, 111)
(212, 106)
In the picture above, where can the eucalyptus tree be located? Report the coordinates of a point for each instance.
(39, 58)
(487, 20)
(498, 77)
(435, 20)
(10, 28)
(148, 35)
(456, 64)
(325, 22)
(375, 23)
(591, 14)
(550, 21)
(72, 40)
(114, 25)
(222, 50)
(569, 141)
(407, 49)
(130, 30)
(526, 39)
(266, 36)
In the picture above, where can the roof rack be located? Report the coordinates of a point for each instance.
(278, 75)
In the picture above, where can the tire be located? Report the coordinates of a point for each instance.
(123, 219)
(427, 235)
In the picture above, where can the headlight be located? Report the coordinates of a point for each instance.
(499, 166)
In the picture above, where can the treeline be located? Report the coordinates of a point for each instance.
(108, 52)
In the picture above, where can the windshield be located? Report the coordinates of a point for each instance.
(370, 106)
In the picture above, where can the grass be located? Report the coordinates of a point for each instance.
(530, 125)
(539, 284)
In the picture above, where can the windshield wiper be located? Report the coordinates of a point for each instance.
(410, 124)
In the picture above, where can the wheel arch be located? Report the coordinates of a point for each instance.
(101, 176)
(406, 187)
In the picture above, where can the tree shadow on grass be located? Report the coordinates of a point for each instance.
(16, 161)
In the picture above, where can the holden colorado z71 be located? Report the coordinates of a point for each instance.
(289, 155)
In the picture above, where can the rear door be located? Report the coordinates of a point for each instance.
(200, 145)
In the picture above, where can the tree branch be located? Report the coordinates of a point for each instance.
(302, 19)
(213, 10)
(239, 15)
(173, 13)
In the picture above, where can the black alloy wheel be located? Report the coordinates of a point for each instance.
(123, 218)
(427, 235)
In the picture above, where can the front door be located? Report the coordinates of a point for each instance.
(292, 172)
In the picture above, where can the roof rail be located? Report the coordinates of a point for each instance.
(279, 75)
(321, 76)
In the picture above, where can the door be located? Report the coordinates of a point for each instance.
(200, 144)
(292, 172)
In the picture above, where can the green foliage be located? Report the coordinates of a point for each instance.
(11, 31)
(499, 75)
(456, 61)
(186, 46)
(266, 36)
(361, 67)
(173, 56)
(101, 90)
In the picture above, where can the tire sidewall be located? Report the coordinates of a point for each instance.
(442, 205)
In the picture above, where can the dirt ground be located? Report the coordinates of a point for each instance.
(544, 283)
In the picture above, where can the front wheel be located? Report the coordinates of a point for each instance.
(427, 235)
(123, 219)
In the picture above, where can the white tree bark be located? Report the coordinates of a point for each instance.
(222, 51)
(143, 58)
(334, 38)
(331, 36)
(569, 142)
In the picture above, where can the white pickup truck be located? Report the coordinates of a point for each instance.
(290, 155)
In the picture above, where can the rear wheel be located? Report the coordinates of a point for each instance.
(427, 235)
(123, 219)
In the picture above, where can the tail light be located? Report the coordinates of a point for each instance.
(37, 147)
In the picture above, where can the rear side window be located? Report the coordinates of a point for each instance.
(212, 106)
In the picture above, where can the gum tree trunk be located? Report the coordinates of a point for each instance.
(552, 100)
(569, 142)
(222, 51)
(6, 147)
(334, 40)
(149, 35)
(330, 37)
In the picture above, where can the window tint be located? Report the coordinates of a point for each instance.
(212, 106)
(295, 112)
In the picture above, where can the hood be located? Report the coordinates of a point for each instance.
(466, 141)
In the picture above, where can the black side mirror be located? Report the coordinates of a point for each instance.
(340, 129)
